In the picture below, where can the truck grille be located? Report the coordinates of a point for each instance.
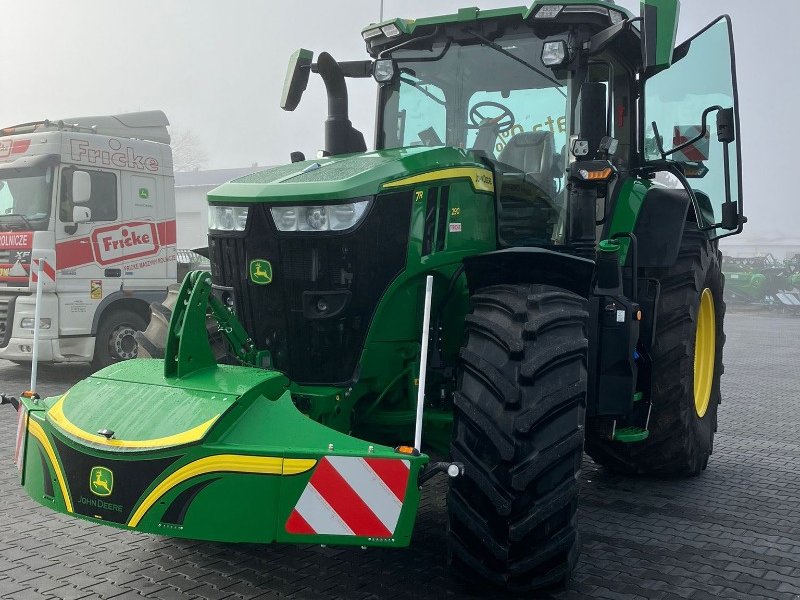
(351, 269)
(6, 316)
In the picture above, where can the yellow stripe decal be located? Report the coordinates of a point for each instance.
(37, 432)
(57, 416)
(482, 179)
(232, 463)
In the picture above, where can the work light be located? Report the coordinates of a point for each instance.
(554, 54)
(383, 70)
(549, 11)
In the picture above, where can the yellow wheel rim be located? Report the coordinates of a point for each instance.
(705, 342)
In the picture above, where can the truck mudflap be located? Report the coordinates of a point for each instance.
(220, 454)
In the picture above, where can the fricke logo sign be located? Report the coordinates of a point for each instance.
(118, 243)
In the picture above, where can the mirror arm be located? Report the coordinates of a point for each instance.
(600, 40)
(700, 136)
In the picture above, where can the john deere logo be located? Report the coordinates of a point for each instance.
(144, 193)
(260, 271)
(101, 481)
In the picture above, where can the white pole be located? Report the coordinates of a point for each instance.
(380, 17)
(36, 316)
(423, 361)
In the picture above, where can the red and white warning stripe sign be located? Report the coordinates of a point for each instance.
(352, 496)
(48, 272)
(696, 152)
(22, 427)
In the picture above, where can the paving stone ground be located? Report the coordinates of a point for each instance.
(733, 532)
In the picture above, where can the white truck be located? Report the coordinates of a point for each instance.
(93, 198)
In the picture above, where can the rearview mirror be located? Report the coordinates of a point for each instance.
(81, 187)
(659, 30)
(297, 73)
(81, 214)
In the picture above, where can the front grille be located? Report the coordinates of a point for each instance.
(354, 267)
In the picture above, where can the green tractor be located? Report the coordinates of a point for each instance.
(525, 266)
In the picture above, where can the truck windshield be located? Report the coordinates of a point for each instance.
(469, 94)
(25, 198)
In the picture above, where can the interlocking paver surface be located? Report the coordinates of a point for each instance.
(733, 532)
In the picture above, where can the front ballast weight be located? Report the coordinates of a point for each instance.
(188, 348)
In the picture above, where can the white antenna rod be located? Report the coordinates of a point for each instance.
(423, 361)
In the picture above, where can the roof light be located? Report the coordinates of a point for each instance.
(549, 11)
(391, 30)
(586, 8)
(555, 53)
(371, 33)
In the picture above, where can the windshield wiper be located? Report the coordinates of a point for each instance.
(28, 224)
(502, 50)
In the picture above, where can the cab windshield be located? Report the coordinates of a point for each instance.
(497, 98)
(472, 95)
(25, 198)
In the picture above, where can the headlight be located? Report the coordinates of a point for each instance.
(27, 323)
(335, 217)
(227, 218)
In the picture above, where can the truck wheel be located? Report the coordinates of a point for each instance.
(115, 339)
(518, 428)
(687, 366)
(153, 340)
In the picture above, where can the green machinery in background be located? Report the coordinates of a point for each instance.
(762, 281)
(525, 265)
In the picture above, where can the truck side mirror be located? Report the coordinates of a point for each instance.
(297, 73)
(81, 214)
(81, 187)
(659, 30)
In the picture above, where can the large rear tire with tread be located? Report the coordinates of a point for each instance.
(682, 422)
(518, 429)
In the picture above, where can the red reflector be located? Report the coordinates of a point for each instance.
(20, 146)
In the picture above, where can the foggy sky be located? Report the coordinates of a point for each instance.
(217, 68)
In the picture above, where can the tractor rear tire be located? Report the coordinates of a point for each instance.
(518, 429)
(153, 340)
(682, 423)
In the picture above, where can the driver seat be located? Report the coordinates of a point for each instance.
(532, 153)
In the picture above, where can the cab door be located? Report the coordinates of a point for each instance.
(692, 126)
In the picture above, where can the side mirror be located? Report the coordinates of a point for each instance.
(659, 30)
(297, 73)
(81, 187)
(81, 214)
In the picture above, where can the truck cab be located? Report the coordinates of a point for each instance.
(93, 199)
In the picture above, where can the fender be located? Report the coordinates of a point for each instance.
(659, 226)
(530, 265)
(146, 296)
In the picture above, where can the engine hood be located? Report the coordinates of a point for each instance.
(340, 177)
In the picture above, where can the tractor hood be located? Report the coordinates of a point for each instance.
(341, 177)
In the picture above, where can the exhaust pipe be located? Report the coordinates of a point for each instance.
(340, 135)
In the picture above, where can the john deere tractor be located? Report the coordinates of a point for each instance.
(525, 266)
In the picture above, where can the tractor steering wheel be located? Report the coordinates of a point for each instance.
(505, 120)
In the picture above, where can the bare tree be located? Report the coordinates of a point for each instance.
(188, 153)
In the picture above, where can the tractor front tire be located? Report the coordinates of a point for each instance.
(518, 429)
(686, 368)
